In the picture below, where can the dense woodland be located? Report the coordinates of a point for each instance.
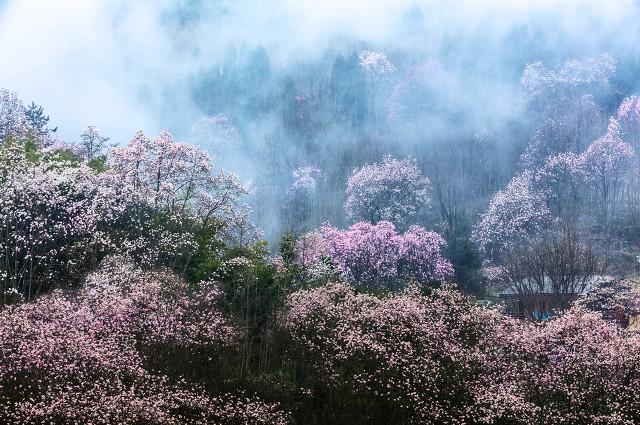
(331, 245)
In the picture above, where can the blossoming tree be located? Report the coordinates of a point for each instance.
(376, 255)
(391, 190)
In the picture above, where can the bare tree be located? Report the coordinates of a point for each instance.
(557, 264)
(92, 143)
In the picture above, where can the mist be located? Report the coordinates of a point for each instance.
(223, 74)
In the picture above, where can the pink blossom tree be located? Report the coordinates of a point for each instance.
(93, 356)
(375, 255)
(376, 63)
(179, 180)
(561, 178)
(628, 119)
(13, 119)
(567, 99)
(175, 175)
(401, 358)
(49, 221)
(607, 164)
(514, 214)
(391, 190)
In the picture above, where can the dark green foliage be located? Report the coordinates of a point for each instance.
(467, 266)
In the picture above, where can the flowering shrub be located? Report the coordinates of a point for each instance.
(575, 369)
(413, 358)
(82, 357)
(439, 358)
(49, 225)
(375, 255)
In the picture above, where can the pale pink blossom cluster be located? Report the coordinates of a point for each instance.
(179, 179)
(306, 177)
(376, 64)
(51, 221)
(607, 162)
(514, 214)
(13, 118)
(573, 76)
(391, 190)
(440, 358)
(175, 176)
(376, 255)
(89, 357)
(628, 118)
(568, 129)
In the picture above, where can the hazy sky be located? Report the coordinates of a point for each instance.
(125, 65)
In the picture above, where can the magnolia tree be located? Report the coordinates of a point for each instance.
(568, 100)
(628, 119)
(560, 177)
(441, 358)
(376, 64)
(392, 190)
(515, 214)
(607, 164)
(13, 118)
(91, 356)
(50, 227)
(179, 180)
(175, 176)
(376, 255)
(565, 133)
